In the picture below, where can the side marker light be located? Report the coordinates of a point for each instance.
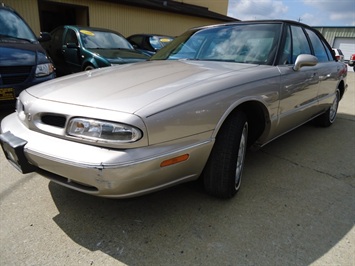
(175, 160)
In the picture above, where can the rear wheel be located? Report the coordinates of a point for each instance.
(223, 172)
(89, 67)
(328, 118)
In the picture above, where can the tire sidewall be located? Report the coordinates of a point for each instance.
(219, 175)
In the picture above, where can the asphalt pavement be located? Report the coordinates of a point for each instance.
(296, 206)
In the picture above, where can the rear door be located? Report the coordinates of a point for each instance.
(327, 69)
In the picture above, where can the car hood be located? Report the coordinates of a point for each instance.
(120, 56)
(128, 88)
(17, 55)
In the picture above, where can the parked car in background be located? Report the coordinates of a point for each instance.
(149, 44)
(23, 61)
(75, 49)
(338, 54)
(351, 61)
(190, 112)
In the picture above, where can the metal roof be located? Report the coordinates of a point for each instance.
(175, 7)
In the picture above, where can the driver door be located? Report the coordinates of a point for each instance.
(299, 89)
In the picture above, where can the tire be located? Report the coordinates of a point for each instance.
(223, 172)
(328, 118)
(89, 67)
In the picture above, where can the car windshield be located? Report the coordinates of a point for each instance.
(242, 43)
(103, 40)
(12, 26)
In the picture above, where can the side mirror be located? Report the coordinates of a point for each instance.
(44, 37)
(305, 60)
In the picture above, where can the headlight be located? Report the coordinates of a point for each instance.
(103, 131)
(44, 69)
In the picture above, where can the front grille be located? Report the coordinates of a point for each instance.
(54, 120)
(12, 75)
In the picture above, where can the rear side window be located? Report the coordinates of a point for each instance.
(136, 40)
(318, 47)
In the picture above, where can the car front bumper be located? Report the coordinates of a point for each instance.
(102, 171)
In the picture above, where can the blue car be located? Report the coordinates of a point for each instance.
(23, 61)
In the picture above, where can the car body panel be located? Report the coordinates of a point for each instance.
(107, 172)
(160, 79)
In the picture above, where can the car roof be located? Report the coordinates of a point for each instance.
(281, 21)
(147, 34)
(88, 28)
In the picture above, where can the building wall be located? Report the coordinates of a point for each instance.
(218, 6)
(331, 33)
(125, 19)
(28, 9)
(340, 37)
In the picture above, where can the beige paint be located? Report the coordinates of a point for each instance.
(122, 18)
(28, 9)
(218, 6)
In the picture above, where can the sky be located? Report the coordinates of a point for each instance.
(311, 12)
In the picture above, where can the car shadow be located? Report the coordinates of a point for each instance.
(296, 203)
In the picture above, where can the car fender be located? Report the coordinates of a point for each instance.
(94, 60)
(259, 115)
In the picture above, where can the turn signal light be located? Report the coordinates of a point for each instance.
(175, 160)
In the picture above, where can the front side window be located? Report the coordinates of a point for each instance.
(286, 55)
(300, 43)
(70, 37)
(296, 43)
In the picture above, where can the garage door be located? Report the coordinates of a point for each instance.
(346, 45)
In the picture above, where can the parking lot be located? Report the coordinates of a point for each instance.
(296, 207)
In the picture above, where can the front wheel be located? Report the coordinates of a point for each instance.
(328, 118)
(223, 172)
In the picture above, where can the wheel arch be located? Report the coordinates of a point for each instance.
(87, 63)
(257, 116)
(341, 87)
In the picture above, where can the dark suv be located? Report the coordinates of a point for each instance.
(23, 61)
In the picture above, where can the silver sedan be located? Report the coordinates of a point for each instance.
(190, 112)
